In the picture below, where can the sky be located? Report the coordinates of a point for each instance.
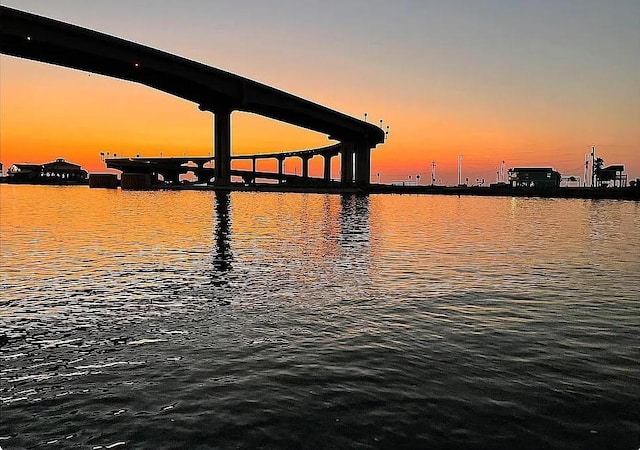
(531, 83)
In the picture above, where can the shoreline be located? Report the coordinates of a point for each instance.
(608, 193)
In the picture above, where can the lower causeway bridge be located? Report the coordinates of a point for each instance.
(149, 171)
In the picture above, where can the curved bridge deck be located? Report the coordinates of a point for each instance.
(172, 167)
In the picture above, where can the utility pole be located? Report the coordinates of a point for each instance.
(593, 165)
(433, 172)
(586, 170)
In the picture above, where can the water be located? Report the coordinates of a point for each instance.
(190, 320)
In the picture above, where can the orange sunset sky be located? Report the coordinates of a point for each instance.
(530, 83)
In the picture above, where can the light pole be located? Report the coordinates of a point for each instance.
(593, 168)
(433, 172)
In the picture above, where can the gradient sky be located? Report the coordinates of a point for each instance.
(533, 83)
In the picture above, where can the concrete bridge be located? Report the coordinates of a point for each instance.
(42, 39)
(172, 167)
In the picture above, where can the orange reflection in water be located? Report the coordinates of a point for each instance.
(416, 246)
(77, 233)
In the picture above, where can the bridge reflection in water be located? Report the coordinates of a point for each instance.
(222, 233)
(345, 233)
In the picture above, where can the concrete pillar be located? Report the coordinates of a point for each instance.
(305, 166)
(222, 147)
(363, 164)
(346, 165)
(280, 163)
(327, 168)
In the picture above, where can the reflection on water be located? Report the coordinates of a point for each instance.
(223, 254)
(354, 220)
(217, 320)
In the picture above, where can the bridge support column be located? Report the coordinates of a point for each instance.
(346, 165)
(327, 168)
(305, 166)
(363, 164)
(222, 147)
(280, 166)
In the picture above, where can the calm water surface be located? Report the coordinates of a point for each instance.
(196, 320)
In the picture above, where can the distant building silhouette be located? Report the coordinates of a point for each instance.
(539, 177)
(24, 172)
(611, 176)
(55, 172)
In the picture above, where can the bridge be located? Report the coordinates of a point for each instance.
(171, 168)
(38, 38)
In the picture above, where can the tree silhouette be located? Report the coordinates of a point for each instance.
(598, 164)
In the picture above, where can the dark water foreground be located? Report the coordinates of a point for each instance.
(255, 320)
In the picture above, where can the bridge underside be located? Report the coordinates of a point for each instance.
(42, 39)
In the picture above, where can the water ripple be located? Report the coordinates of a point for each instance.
(186, 320)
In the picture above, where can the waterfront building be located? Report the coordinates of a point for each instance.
(63, 170)
(613, 176)
(24, 173)
(539, 177)
(55, 172)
